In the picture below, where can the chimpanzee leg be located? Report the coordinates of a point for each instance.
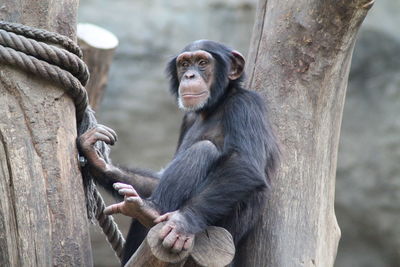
(184, 175)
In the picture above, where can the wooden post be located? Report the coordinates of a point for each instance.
(299, 61)
(98, 47)
(42, 209)
(212, 248)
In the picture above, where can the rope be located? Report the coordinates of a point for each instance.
(23, 47)
(107, 223)
(48, 53)
(42, 35)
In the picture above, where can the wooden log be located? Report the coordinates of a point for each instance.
(152, 253)
(42, 209)
(98, 46)
(212, 248)
(299, 61)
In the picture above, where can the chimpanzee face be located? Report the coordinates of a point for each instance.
(195, 71)
(203, 74)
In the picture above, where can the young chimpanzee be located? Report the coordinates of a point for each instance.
(221, 169)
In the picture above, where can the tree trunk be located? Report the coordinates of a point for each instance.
(42, 209)
(98, 46)
(299, 61)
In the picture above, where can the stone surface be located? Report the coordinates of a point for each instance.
(138, 106)
(368, 176)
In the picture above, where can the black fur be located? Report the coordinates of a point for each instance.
(225, 157)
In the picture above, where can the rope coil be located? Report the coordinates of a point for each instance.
(33, 51)
(42, 35)
(50, 54)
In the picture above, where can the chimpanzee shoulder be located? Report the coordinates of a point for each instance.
(244, 111)
(248, 131)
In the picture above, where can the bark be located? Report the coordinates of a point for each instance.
(98, 46)
(299, 61)
(42, 210)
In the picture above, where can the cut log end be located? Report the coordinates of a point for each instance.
(213, 247)
(98, 46)
(96, 37)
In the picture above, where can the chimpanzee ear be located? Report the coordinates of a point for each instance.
(237, 66)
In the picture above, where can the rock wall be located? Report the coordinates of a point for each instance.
(138, 106)
(368, 177)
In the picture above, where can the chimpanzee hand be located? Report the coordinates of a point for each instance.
(87, 141)
(175, 234)
(133, 206)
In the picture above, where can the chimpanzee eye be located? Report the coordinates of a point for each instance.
(203, 63)
(185, 64)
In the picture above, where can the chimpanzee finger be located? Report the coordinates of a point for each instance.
(165, 230)
(106, 133)
(112, 209)
(162, 218)
(188, 243)
(88, 138)
(110, 130)
(136, 200)
(100, 137)
(170, 239)
(178, 245)
(128, 192)
(118, 186)
(89, 132)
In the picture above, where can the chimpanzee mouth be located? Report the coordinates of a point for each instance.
(190, 95)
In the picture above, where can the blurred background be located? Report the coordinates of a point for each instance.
(137, 105)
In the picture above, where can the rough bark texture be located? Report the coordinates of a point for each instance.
(42, 208)
(98, 46)
(299, 61)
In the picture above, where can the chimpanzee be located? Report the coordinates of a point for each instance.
(222, 166)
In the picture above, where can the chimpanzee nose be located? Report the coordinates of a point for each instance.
(189, 75)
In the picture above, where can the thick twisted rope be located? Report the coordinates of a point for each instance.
(19, 47)
(107, 223)
(48, 53)
(42, 35)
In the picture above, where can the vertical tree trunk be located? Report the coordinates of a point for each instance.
(42, 208)
(299, 61)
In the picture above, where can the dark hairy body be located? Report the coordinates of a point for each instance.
(225, 157)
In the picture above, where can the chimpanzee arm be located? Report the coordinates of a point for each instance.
(107, 174)
(144, 181)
